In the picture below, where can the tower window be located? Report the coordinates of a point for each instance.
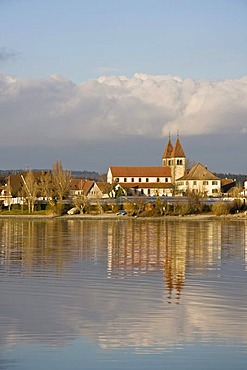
(140, 179)
(147, 179)
(158, 179)
(132, 180)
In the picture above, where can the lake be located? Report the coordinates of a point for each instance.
(123, 294)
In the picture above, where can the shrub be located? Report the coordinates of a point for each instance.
(115, 208)
(221, 208)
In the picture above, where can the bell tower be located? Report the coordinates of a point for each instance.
(174, 157)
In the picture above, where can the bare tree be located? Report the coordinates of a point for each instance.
(46, 187)
(30, 190)
(8, 193)
(61, 180)
(80, 202)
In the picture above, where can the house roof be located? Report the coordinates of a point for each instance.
(168, 150)
(103, 185)
(177, 150)
(81, 184)
(199, 172)
(225, 182)
(140, 171)
(16, 180)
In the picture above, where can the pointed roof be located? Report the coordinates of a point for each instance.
(81, 184)
(199, 172)
(168, 150)
(177, 150)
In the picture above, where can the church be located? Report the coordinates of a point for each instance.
(152, 180)
(172, 178)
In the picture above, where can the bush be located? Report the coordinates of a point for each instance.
(221, 208)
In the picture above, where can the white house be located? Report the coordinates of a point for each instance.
(99, 190)
(199, 180)
(245, 188)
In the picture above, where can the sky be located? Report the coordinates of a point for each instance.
(103, 82)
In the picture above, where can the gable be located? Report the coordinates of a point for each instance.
(199, 172)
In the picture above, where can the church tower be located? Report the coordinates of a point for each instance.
(174, 157)
(166, 158)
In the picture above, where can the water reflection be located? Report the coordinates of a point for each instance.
(150, 285)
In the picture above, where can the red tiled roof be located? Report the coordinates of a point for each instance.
(103, 185)
(177, 150)
(81, 184)
(199, 172)
(168, 150)
(140, 171)
(225, 182)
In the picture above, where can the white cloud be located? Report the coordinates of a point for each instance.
(55, 110)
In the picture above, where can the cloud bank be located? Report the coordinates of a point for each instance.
(57, 111)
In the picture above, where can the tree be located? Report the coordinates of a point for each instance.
(30, 190)
(61, 180)
(46, 187)
(80, 202)
(8, 191)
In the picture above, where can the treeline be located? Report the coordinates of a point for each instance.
(90, 175)
(240, 178)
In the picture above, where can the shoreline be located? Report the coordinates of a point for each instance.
(192, 217)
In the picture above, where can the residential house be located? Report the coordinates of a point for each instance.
(199, 180)
(15, 188)
(227, 185)
(99, 190)
(245, 188)
(80, 187)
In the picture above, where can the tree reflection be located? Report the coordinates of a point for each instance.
(130, 247)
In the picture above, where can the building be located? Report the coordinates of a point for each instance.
(80, 187)
(245, 188)
(175, 159)
(152, 181)
(99, 190)
(199, 180)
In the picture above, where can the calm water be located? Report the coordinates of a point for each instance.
(123, 294)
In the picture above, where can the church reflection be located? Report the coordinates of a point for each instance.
(174, 249)
(129, 247)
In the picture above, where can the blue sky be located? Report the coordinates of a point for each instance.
(83, 40)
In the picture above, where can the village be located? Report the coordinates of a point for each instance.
(146, 190)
